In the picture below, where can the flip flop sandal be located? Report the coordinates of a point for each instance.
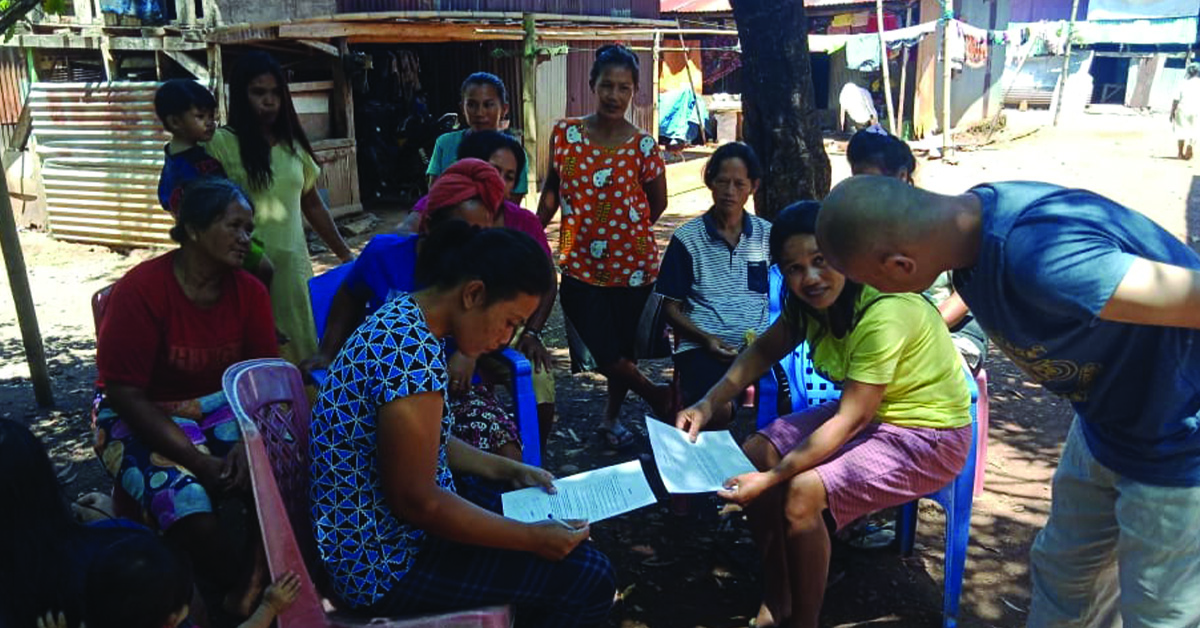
(618, 438)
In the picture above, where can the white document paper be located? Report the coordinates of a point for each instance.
(591, 495)
(699, 467)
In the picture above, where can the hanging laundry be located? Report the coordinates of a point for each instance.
(956, 48)
(909, 36)
(722, 60)
(843, 19)
(976, 50)
(862, 53)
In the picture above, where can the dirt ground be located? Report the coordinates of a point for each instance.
(700, 570)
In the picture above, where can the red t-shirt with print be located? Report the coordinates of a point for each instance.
(606, 237)
(154, 337)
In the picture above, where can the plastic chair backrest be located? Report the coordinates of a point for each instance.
(321, 290)
(100, 305)
(797, 365)
(267, 397)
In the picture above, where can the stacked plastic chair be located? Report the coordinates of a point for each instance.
(323, 287)
(268, 398)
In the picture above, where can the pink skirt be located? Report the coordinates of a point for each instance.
(882, 466)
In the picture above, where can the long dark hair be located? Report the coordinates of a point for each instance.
(800, 218)
(455, 252)
(34, 529)
(254, 149)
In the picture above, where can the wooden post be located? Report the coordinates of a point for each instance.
(1066, 66)
(185, 12)
(887, 73)
(529, 63)
(216, 80)
(903, 74)
(110, 62)
(692, 88)
(31, 337)
(342, 115)
(947, 134)
(656, 55)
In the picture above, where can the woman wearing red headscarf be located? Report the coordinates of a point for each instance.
(472, 191)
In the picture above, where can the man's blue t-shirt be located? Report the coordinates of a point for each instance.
(1050, 258)
(386, 266)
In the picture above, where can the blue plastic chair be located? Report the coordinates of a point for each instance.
(809, 388)
(797, 366)
(323, 287)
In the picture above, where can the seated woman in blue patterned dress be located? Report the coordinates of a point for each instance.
(397, 533)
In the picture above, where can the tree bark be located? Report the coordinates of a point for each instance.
(780, 120)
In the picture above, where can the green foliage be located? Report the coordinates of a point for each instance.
(12, 11)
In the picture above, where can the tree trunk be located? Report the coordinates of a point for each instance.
(777, 103)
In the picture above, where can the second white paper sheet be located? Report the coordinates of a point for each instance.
(591, 495)
(699, 467)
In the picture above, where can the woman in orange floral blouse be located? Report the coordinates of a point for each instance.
(609, 179)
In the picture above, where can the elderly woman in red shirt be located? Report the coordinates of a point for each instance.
(172, 325)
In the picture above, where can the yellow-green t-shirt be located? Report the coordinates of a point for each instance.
(279, 223)
(900, 341)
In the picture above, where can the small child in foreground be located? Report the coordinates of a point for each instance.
(141, 583)
(187, 110)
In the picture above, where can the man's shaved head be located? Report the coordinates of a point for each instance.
(868, 220)
(868, 215)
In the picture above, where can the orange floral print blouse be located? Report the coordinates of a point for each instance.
(606, 237)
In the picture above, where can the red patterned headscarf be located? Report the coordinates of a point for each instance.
(464, 180)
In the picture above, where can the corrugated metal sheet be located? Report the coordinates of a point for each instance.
(606, 8)
(1174, 30)
(14, 84)
(444, 66)
(551, 106)
(1050, 10)
(101, 151)
(722, 6)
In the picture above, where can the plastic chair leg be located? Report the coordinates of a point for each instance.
(526, 407)
(906, 527)
(958, 532)
(981, 420)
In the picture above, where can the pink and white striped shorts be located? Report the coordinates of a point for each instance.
(882, 466)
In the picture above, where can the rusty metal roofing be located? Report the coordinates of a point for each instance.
(101, 151)
(722, 6)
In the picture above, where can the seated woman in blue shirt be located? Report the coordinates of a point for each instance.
(397, 532)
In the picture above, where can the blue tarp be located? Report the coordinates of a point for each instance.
(148, 11)
(677, 120)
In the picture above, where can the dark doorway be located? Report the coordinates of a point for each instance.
(1109, 78)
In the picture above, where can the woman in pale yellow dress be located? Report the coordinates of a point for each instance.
(264, 150)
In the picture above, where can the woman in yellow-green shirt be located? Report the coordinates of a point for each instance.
(902, 428)
(265, 151)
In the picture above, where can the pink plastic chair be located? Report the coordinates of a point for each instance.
(268, 398)
(981, 418)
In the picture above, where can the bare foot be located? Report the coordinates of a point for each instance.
(766, 618)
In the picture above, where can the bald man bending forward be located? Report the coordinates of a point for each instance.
(1101, 306)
